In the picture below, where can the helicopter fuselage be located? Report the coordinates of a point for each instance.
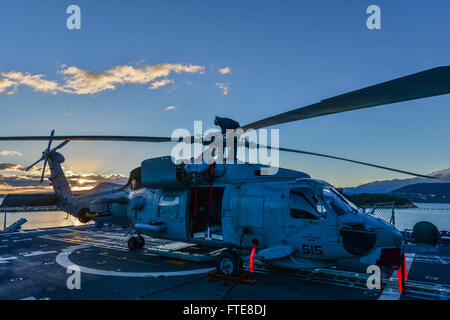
(290, 219)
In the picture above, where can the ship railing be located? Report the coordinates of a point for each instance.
(383, 210)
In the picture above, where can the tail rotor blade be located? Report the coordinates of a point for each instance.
(50, 141)
(43, 170)
(62, 144)
(31, 166)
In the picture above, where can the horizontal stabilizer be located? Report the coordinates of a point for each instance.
(29, 200)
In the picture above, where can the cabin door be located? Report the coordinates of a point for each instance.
(205, 213)
(307, 226)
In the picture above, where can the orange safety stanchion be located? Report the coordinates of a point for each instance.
(250, 263)
(399, 276)
(404, 268)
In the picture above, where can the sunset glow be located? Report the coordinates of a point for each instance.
(14, 179)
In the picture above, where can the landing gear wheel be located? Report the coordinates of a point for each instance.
(229, 263)
(133, 243)
(141, 242)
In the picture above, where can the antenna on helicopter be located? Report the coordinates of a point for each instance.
(47, 153)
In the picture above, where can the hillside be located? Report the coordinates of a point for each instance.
(425, 192)
(386, 186)
(370, 199)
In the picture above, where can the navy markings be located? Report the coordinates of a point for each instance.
(312, 249)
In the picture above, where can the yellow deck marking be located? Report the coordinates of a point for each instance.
(125, 258)
(175, 261)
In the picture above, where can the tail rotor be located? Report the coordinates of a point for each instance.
(46, 154)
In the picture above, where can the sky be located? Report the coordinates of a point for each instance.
(149, 67)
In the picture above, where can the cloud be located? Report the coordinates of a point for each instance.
(10, 153)
(6, 188)
(161, 83)
(81, 82)
(19, 180)
(30, 181)
(86, 82)
(5, 84)
(170, 108)
(10, 167)
(224, 87)
(93, 179)
(225, 70)
(33, 81)
(35, 171)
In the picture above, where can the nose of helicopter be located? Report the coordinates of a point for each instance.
(387, 235)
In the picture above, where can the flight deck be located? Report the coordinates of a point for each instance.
(37, 264)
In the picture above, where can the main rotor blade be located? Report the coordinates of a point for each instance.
(91, 138)
(31, 166)
(62, 144)
(353, 161)
(43, 170)
(423, 84)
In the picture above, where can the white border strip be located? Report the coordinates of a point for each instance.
(63, 260)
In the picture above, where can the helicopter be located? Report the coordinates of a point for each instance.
(287, 219)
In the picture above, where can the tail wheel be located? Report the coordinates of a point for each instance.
(83, 216)
(229, 263)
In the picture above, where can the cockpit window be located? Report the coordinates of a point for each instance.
(134, 181)
(302, 214)
(338, 202)
(303, 204)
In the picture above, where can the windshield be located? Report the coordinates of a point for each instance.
(338, 202)
(344, 197)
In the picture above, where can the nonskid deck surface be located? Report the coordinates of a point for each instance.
(34, 265)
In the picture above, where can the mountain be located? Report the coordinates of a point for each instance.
(386, 186)
(425, 192)
(366, 200)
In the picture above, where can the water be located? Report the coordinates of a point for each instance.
(40, 219)
(436, 213)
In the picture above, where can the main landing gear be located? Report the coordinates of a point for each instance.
(229, 263)
(135, 243)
